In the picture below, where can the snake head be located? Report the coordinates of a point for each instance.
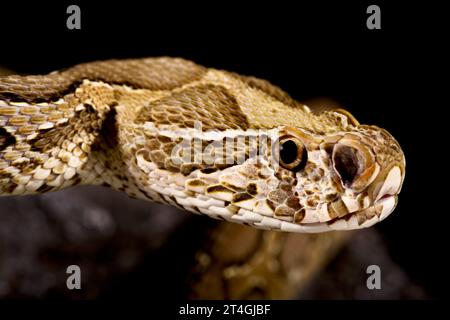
(297, 180)
(340, 181)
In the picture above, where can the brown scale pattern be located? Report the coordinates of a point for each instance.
(213, 104)
(283, 201)
(158, 149)
(6, 139)
(57, 152)
(153, 74)
(52, 141)
(269, 89)
(86, 120)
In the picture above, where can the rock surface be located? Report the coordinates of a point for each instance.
(129, 248)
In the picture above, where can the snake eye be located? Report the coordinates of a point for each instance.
(293, 154)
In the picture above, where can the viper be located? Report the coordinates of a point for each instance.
(208, 141)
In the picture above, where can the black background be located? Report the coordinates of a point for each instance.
(385, 77)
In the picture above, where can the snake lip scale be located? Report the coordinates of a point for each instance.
(127, 123)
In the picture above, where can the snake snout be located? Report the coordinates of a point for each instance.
(387, 184)
(368, 167)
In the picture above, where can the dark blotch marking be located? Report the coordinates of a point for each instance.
(45, 188)
(242, 196)
(299, 215)
(76, 179)
(271, 90)
(252, 189)
(6, 139)
(209, 170)
(285, 186)
(331, 196)
(214, 105)
(233, 187)
(271, 204)
(186, 169)
(196, 183)
(86, 120)
(8, 187)
(196, 209)
(5, 175)
(218, 188)
(284, 211)
(293, 203)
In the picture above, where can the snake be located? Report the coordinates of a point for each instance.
(208, 141)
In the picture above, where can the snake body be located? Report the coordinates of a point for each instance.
(208, 141)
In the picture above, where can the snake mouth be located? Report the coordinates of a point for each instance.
(217, 205)
(360, 219)
(347, 212)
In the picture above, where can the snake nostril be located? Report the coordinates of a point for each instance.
(346, 163)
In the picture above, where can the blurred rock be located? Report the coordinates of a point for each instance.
(133, 249)
(345, 277)
(103, 231)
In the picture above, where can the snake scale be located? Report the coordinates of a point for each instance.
(208, 141)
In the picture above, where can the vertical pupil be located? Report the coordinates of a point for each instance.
(288, 152)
